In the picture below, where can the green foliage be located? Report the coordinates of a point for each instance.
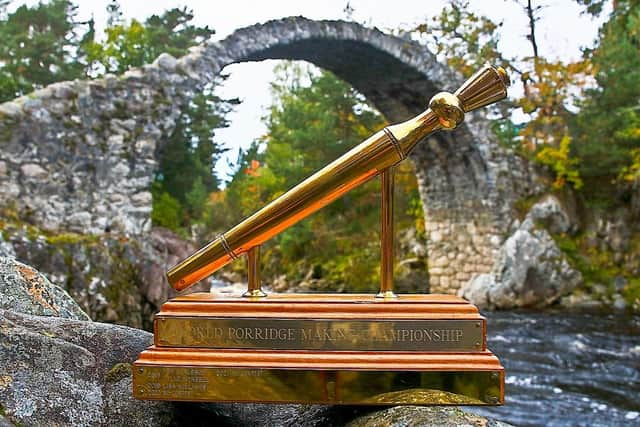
(166, 210)
(466, 41)
(41, 45)
(595, 266)
(580, 134)
(135, 44)
(631, 293)
(507, 132)
(197, 196)
(631, 172)
(598, 265)
(188, 157)
(593, 7)
(126, 46)
(608, 125)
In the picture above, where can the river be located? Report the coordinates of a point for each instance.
(567, 369)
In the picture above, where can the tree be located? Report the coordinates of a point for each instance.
(185, 176)
(40, 46)
(608, 125)
(137, 43)
(462, 39)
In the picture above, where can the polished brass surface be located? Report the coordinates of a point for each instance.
(387, 247)
(322, 306)
(253, 268)
(485, 87)
(384, 149)
(448, 108)
(331, 298)
(385, 387)
(321, 359)
(320, 334)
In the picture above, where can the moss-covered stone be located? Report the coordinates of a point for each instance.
(599, 268)
(423, 416)
(523, 205)
(119, 372)
(72, 238)
(103, 274)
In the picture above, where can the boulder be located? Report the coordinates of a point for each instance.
(530, 270)
(6, 250)
(23, 289)
(431, 416)
(113, 278)
(549, 213)
(268, 415)
(60, 372)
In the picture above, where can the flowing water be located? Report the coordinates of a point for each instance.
(567, 369)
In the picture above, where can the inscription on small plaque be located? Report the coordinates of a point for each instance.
(315, 386)
(290, 334)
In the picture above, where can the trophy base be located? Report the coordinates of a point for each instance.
(348, 378)
(320, 348)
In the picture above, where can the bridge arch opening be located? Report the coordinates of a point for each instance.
(334, 224)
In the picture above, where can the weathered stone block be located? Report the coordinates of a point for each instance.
(23, 289)
(33, 171)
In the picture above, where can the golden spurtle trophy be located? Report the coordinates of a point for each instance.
(326, 348)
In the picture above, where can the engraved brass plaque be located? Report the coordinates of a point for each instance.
(156, 382)
(303, 334)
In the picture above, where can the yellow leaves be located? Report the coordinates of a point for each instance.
(422, 28)
(549, 92)
(5, 382)
(136, 29)
(126, 46)
(555, 83)
(559, 160)
(631, 173)
(460, 37)
(217, 197)
(528, 105)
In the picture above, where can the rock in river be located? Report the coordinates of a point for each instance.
(530, 270)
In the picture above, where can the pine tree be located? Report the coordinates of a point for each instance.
(40, 46)
(608, 125)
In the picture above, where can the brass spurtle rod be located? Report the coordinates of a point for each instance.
(384, 149)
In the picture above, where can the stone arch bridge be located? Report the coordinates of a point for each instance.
(80, 156)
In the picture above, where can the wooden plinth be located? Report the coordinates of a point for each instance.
(320, 348)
